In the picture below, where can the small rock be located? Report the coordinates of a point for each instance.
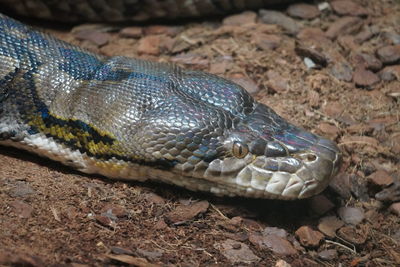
(392, 37)
(154, 198)
(131, 32)
(314, 35)
(354, 235)
(343, 26)
(121, 251)
(328, 225)
(282, 263)
(312, 53)
(21, 190)
(194, 61)
(380, 178)
(310, 65)
(320, 204)
(366, 61)
(303, 11)
(395, 208)
(150, 255)
(365, 78)
(348, 8)
(149, 45)
(351, 215)
(309, 237)
(21, 209)
(266, 41)
(276, 82)
(116, 210)
(248, 84)
(328, 130)
(95, 37)
(241, 255)
(273, 242)
(389, 54)
(160, 225)
(342, 71)
(328, 254)
(390, 194)
(185, 213)
(275, 17)
(247, 17)
(161, 29)
(275, 231)
(390, 73)
(366, 34)
(106, 220)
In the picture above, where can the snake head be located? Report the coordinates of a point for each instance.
(270, 158)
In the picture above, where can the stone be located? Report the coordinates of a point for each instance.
(351, 215)
(343, 26)
(328, 254)
(328, 130)
(395, 208)
(276, 82)
(275, 231)
(184, 213)
(161, 29)
(329, 225)
(309, 237)
(380, 178)
(236, 252)
(320, 204)
(276, 17)
(131, 32)
(313, 35)
(312, 53)
(149, 45)
(154, 198)
(303, 11)
(266, 41)
(366, 61)
(21, 209)
(248, 84)
(342, 71)
(95, 37)
(116, 210)
(282, 263)
(346, 7)
(365, 78)
(390, 73)
(247, 17)
(354, 235)
(21, 190)
(273, 242)
(389, 54)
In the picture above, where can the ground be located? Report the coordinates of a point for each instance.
(331, 69)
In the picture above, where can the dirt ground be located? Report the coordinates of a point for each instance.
(332, 69)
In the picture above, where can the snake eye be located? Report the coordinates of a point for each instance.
(239, 149)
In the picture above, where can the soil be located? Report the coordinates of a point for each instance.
(335, 73)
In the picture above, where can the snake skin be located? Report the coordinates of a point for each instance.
(131, 119)
(122, 10)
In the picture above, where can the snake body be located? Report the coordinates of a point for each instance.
(131, 119)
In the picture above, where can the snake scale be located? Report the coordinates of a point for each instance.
(126, 118)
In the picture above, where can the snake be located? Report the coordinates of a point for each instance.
(131, 119)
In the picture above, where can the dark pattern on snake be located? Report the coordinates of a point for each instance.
(136, 10)
(133, 119)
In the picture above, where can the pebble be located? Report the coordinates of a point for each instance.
(328, 254)
(275, 231)
(395, 208)
(247, 17)
(390, 73)
(21, 190)
(149, 45)
(348, 8)
(95, 37)
(365, 78)
(267, 41)
(392, 37)
(276, 82)
(276, 17)
(282, 263)
(303, 11)
(154, 198)
(248, 84)
(131, 32)
(309, 237)
(342, 71)
(320, 204)
(329, 225)
(312, 53)
(236, 252)
(116, 210)
(328, 130)
(314, 35)
(389, 54)
(380, 178)
(354, 235)
(343, 26)
(273, 242)
(366, 61)
(351, 215)
(184, 213)
(161, 29)
(21, 209)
